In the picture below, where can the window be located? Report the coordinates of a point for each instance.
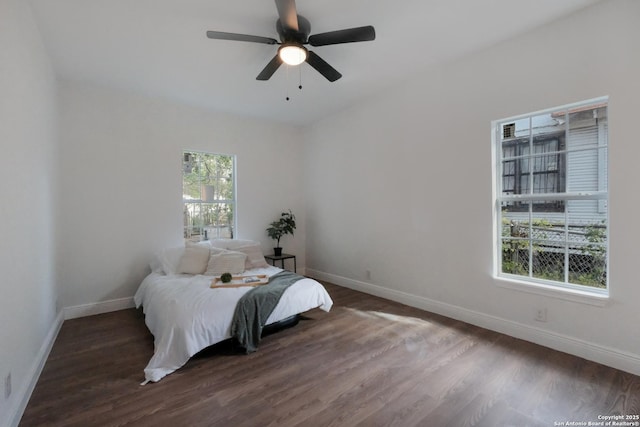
(551, 196)
(548, 169)
(208, 195)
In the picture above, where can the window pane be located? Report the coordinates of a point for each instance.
(221, 221)
(585, 123)
(522, 128)
(508, 185)
(588, 243)
(549, 170)
(192, 221)
(586, 223)
(603, 170)
(587, 265)
(514, 243)
(548, 260)
(515, 256)
(192, 177)
(547, 126)
(514, 215)
(515, 176)
(546, 225)
(190, 187)
(524, 150)
(583, 170)
(548, 231)
(547, 163)
(523, 182)
(513, 136)
(190, 191)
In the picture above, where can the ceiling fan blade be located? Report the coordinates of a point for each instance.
(219, 35)
(323, 67)
(288, 14)
(350, 35)
(271, 68)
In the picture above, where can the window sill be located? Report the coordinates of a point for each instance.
(574, 295)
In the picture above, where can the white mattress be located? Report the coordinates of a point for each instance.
(185, 315)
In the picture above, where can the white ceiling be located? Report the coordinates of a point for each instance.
(159, 47)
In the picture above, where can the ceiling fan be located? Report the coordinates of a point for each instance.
(294, 30)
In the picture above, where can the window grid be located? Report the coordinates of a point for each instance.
(208, 195)
(545, 233)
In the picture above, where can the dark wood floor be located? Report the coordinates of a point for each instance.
(369, 362)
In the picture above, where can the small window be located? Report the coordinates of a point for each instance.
(208, 195)
(551, 196)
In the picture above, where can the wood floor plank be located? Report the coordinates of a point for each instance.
(369, 362)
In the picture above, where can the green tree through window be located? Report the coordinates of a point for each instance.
(208, 195)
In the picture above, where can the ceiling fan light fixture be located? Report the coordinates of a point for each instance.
(292, 53)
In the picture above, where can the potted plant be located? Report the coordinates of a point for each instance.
(285, 225)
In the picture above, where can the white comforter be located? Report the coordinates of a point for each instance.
(185, 315)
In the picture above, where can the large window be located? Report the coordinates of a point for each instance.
(551, 196)
(208, 195)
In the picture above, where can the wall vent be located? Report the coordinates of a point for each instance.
(187, 162)
(509, 131)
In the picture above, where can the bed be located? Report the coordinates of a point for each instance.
(185, 315)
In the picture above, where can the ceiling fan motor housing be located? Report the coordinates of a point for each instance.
(300, 36)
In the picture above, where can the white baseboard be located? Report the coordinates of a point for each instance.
(98, 308)
(607, 356)
(24, 393)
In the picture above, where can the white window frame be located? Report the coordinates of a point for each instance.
(232, 202)
(566, 290)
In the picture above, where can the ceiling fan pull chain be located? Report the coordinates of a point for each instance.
(287, 81)
(300, 78)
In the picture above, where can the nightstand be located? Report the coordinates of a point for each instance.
(281, 258)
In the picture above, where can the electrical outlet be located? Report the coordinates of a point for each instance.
(7, 386)
(540, 315)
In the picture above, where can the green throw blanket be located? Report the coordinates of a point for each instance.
(255, 307)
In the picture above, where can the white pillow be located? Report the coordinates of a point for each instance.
(231, 244)
(255, 259)
(166, 261)
(194, 259)
(225, 262)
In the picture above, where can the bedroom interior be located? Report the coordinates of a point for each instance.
(388, 170)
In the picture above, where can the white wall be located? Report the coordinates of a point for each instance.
(27, 190)
(394, 181)
(388, 184)
(122, 185)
